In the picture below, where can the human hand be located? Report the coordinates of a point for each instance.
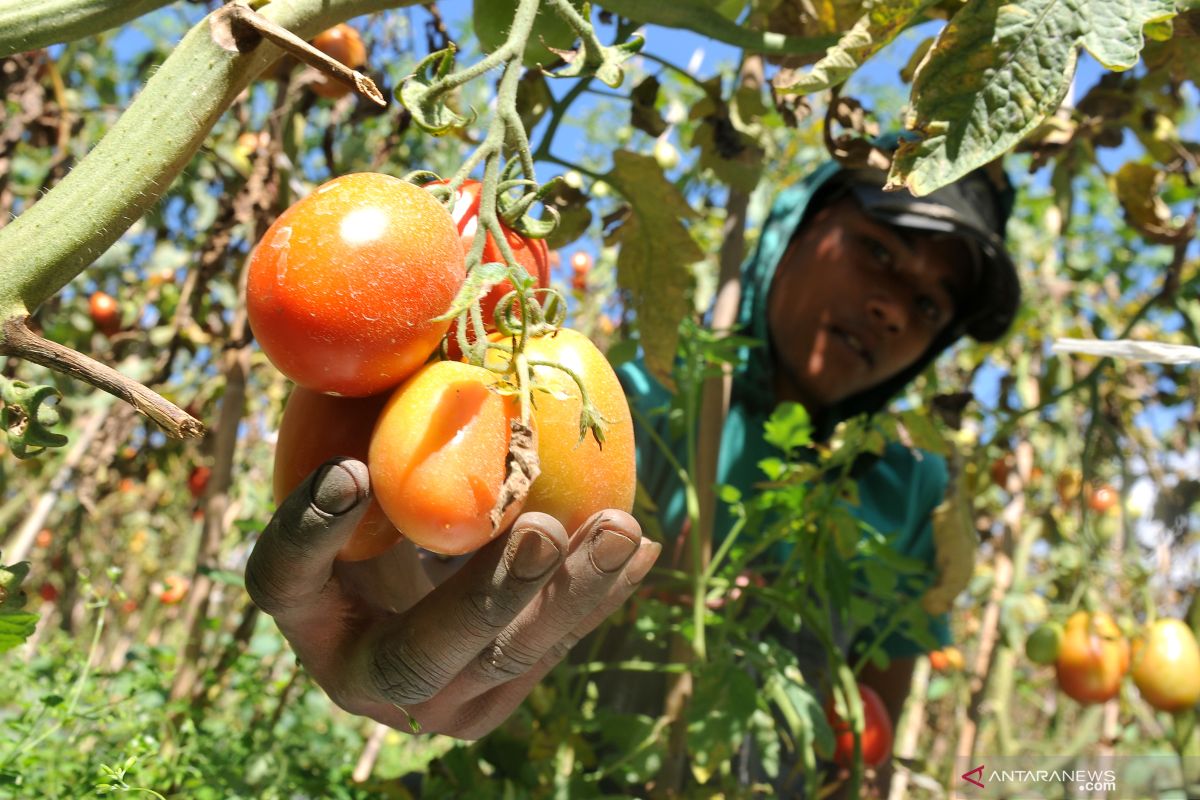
(456, 658)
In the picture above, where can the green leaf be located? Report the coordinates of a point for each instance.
(604, 63)
(15, 625)
(789, 427)
(868, 35)
(656, 252)
(997, 70)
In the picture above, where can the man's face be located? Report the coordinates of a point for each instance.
(855, 301)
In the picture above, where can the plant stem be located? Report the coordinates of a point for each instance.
(18, 340)
(32, 25)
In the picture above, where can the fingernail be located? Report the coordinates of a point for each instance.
(336, 488)
(639, 571)
(610, 550)
(535, 555)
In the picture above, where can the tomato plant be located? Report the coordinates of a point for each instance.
(438, 457)
(343, 43)
(1092, 658)
(578, 476)
(876, 735)
(105, 313)
(492, 19)
(317, 427)
(343, 286)
(1166, 665)
(532, 254)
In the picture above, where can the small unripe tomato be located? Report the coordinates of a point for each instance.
(1092, 658)
(1166, 666)
(316, 428)
(1041, 646)
(438, 457)
(341, 43)
(344, 286)
(876, 734)
(105, 313)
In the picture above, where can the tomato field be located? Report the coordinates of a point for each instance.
(239, 239)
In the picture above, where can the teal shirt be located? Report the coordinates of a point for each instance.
(897, 494)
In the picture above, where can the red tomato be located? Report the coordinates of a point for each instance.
(48, 592)
(876, 735)
(1093, 656)
(939, 661)
(198, 480)
(581, 262)
(1103, 499)
(344, 285)
(532, 254)
(341, 43)
(105, 313)
(439, 454)
(1166, 666)
(175, 589)
(578, 478)
(316, 428)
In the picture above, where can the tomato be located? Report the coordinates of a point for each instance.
(876, 734)
(948, 659)
(315, 428)
(175, 589)
(578, 478)
(1103, 499)
(198, 480)
(48, 592)
(44, 538)
(581, 265)
(532, 254)
(105, 313)
(1092, 658)
(343, 286)
(491, 20)
(1042, 646)
(341, 43)
(439, 454)
(938, 661)
(1166, 665)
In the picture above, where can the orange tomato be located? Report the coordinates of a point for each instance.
(1093, 656)
(315, 428)
(578, 478)
(438, 457)
(1103, 499)
(341, 43)
(1166, 666)
(174, 590)
(105, 313)
(938, 661)
(343, 286)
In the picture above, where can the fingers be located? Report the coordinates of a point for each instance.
(422, 650)
(607, 560)
(293, 558)
(485, 711)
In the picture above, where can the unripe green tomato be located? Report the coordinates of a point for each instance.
(1042, 645)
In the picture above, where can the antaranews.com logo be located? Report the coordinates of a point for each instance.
(1113, 777)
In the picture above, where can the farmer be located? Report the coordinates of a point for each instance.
(854, 292)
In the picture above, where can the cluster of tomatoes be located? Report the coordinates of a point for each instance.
(344, 291)
(1091, 655)
(1069, 484)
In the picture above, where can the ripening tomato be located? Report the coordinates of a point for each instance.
(876, 734)
(938, 661)
(105, 313)
(174, 590)
(343, 287)
(315, 428)
(578, 478)
(48, 592)
(198, 480)
(1166, 665)
(341, 43)
(1103, 499)
(438, 457)
(532, 254)
(1093, 656)
(948, 659)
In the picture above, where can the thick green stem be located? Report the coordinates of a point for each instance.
(30, 24)
(135, 163)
